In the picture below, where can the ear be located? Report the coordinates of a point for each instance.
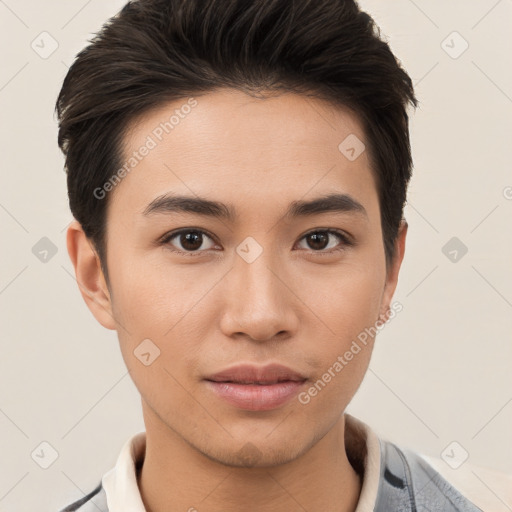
(89, 275)
(393, 271)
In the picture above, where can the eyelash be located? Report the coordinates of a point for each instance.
(346, 241)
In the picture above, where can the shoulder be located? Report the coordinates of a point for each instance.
(433, 483)
(487, 488)
(94, 501)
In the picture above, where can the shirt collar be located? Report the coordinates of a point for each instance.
(362, 445)
(120, 483)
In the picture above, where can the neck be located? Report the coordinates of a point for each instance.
(176, 477)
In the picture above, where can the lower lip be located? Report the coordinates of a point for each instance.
(255, 397)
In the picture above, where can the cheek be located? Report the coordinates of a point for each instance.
(152, 303)
(348, 311)
(347, 303)
(148, 299)
(344, 360)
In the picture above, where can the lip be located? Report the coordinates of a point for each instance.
(247, 373)
(256, 388)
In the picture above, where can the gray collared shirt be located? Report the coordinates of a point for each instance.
(407, 483)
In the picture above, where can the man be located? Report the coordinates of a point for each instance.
(237, 171)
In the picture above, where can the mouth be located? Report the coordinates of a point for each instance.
(260, 375)
(256, 388)
(256, 383)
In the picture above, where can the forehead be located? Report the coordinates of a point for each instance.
(227, 144)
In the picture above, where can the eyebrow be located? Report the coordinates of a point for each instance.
(330, 203)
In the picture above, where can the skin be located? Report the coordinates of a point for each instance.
(292, 305)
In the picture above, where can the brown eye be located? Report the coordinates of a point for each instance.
(318, 241)
(189, 241)
(321, 240)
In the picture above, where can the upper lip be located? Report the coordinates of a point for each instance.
(247, 374)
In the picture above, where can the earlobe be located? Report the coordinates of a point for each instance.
(393, 272)
(89, 275)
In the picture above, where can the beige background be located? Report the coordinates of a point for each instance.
(441, 369)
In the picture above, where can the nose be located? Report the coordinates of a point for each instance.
(259, 300)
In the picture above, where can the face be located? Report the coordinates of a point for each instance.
(195, 292)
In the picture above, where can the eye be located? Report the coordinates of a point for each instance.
(190, 240)
(318, 240)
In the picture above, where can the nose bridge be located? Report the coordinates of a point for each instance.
(255, 268)
(259, 305)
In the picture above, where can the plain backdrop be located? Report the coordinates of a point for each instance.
(441, 370)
